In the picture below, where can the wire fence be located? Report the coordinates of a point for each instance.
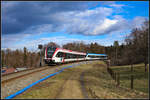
(117, 76)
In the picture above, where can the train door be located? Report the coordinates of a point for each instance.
(77, 57)
(63, 57)
(59, 57)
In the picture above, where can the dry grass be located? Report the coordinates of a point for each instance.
(97, 82)
(141, 77)
(102, 86)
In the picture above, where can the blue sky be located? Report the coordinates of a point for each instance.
(32, 23)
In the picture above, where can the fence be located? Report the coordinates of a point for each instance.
(116, 76)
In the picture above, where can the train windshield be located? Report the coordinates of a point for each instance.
(50, 51)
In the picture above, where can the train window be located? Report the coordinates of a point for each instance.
(71, 55)
(64, 54)
(83, 56)
(67, 56)
(76, 56)
(59, 54)
(79, 56)
(50, 52)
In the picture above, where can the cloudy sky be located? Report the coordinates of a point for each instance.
(31, 23)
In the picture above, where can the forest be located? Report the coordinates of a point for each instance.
(134, 50)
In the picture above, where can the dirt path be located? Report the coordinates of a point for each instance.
(84, 91)
(72, 88)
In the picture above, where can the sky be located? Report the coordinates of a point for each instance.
(27, 24)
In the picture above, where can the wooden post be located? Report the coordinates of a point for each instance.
(131, 81)
(145, 67)
(118, 79)
(115, 76)
(132, 76)
(110, 72)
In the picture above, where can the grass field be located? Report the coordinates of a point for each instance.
(140, 82)
(97, 83)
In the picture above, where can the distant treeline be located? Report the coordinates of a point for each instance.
(20, 58)
(133, 50)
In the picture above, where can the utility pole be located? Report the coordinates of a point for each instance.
(116, 55)
(40, 47)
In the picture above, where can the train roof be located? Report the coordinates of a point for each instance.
(71, 51)
(96, 54)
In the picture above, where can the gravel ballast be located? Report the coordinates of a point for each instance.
(20, 83)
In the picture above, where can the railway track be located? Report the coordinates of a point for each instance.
(13, 83)
(12, 76)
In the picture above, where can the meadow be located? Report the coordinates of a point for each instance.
(141, 78)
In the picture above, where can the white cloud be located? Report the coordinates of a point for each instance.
(102, 28)
(101, 11)
(86, 21)
(117, 5)
(138, 21)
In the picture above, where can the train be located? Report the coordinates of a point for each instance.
(55, 55)
(94, 56)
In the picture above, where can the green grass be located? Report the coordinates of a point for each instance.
(102, 85)
(140, 82)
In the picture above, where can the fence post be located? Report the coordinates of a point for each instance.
(107, 69)
(110, 72)
(115, 76)
(118, 79)
(131, 81)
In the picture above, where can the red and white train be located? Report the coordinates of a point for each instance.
(59, 55)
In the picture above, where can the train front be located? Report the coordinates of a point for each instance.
(49, 52)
